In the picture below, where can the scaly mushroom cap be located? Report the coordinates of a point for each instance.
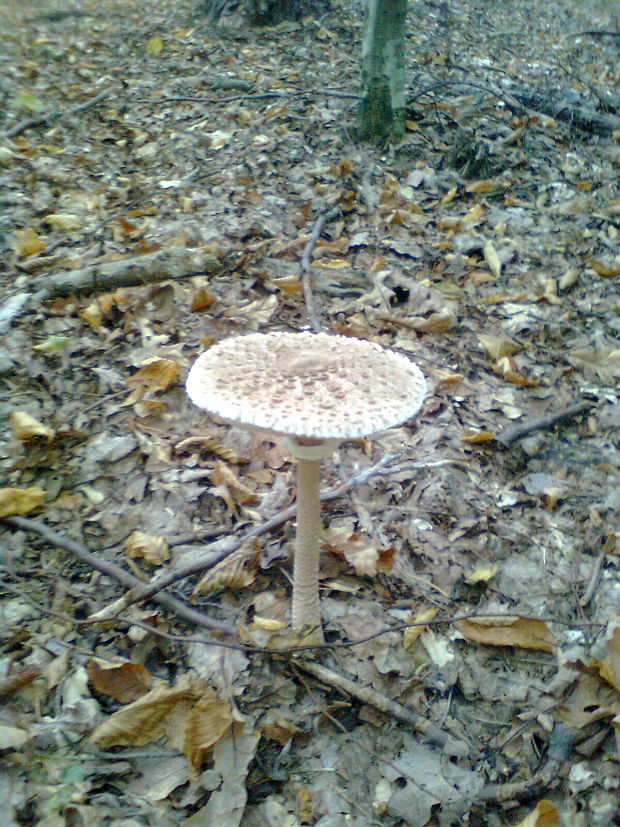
(307, 385)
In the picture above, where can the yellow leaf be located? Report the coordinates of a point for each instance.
(19, 500)
(98, 309)
(411, 634)
(508, 631)
(492, 259)
(155, 46)
(152, 548)
(472, 436)
(25, 427)
(543, 815)
(268, 624)
(27, 242)
(332, 264)
(481, 575)
(485, 185)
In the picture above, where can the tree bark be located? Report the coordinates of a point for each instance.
(382, 89)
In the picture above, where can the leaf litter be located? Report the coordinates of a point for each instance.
(475, 572)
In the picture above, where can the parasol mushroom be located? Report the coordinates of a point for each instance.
(314, 389)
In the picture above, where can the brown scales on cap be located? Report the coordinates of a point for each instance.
(314, 389)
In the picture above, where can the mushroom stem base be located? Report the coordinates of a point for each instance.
(306, 600)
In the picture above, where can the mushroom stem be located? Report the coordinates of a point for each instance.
(306, 601)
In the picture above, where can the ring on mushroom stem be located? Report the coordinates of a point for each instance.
(315, 389)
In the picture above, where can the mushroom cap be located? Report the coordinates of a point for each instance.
(307, 385)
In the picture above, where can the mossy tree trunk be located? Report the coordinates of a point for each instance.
(382, 89)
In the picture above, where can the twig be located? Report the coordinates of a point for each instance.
(514, 432)
(306, 274)
(117, 573)
(593, 581)
(55, 113)
(220, 549)
(561, 743)
(370, 696)
(595, 33)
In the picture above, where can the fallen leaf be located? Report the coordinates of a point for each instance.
(482, 575)
(27, 242)
(411, 634)
(158, 375)
(155, 46)
(472, 436)
(25, 427)
(508, 631)
(543, 815)
(236, 571)
(609, 666)
(152, 548)
(20, 500)
(190, 716)
(125, 682)
(492, 259)
(498, 346)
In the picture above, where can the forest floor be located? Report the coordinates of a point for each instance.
(160, 181)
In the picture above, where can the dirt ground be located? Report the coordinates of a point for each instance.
(161, 181)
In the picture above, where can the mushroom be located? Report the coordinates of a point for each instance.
(314, 389)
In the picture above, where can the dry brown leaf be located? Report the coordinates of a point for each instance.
(223, 445)
(498, 346)
(152, 548)
(609, 666)
(591, 700)
(236, 571)
(20, 500)
(202, 299)
(508, 631)
(190, 716)
(25, 427)
(229, 486)
(361, 551)
(125, 682)
(156, 376)
(543, 815)
(434, 322)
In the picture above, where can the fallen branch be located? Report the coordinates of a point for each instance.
(514, 432)
(451, 746)
(168, 263)
(220, 549)
(306, 267)
(38, 120)
(80, 552)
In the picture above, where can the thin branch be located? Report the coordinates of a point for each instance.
(306, 267)
(370, 696)
(80, 552)
(514, 432)
(38, 120)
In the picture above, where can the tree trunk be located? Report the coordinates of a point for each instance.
(382, 89)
